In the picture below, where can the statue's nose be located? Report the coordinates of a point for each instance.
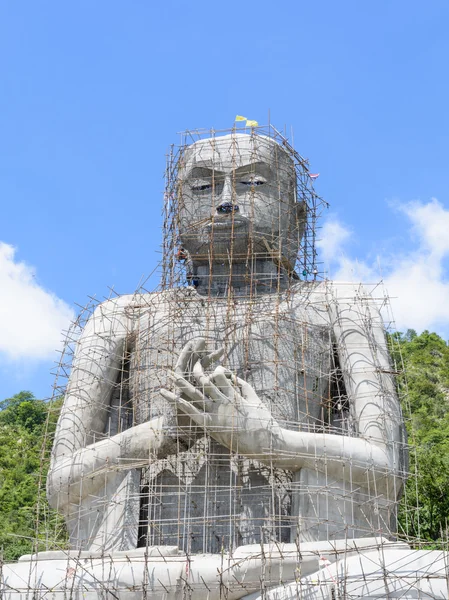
(226, 208)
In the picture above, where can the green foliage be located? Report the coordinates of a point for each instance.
(424, 388)
(26, 520)
(24, 410)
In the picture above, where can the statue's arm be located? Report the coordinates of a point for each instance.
(81, 474)
(376, 452)
(77, 459)
(366, 367)
(95, 368)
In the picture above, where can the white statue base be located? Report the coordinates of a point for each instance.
(364, 568)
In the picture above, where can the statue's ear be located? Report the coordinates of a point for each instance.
(301, 217)
(301, 211)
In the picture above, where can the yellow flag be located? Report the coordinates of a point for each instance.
(239, 118)
(250, 123)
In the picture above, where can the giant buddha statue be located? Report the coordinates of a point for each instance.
(250, 411)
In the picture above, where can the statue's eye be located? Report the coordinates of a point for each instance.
(253, 181)
(201, 186)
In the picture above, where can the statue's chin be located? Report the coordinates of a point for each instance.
(238, 245)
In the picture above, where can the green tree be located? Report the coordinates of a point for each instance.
(27, 523)
(424, 389)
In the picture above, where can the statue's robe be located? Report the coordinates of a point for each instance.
(200, 496)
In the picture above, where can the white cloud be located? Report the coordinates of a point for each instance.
(415, 279)
(333, 236)
(431, 224)
(31, 318)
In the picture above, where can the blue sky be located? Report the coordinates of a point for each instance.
(93, 93)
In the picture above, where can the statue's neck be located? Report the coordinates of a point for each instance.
(240, 279)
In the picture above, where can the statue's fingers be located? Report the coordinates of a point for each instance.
(198, 371)
(207, 386)
(236, 389)
(199, 417)
(211, 358)
(198, 350)
(200, 344)
(190, 353)
(223, 383)
(185, 407)
(189, 390)
(170, 396)
(246, 389)
(183, 359)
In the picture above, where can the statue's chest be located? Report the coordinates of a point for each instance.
(278, 350)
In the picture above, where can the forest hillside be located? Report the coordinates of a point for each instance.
(28, 524)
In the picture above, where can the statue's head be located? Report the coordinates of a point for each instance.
(237, 200)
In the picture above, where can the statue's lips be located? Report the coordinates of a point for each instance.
(226, 223)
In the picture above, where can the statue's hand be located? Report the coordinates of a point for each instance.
(227, 407)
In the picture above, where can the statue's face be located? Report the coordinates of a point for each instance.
(236, 195)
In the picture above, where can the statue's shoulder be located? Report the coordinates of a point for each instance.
(308, 301)
(316, 302)
(120, 315)
(315, 297)
(330, 286)
(305, 292)
(141, 302)
(114, 305)
(351, 292)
